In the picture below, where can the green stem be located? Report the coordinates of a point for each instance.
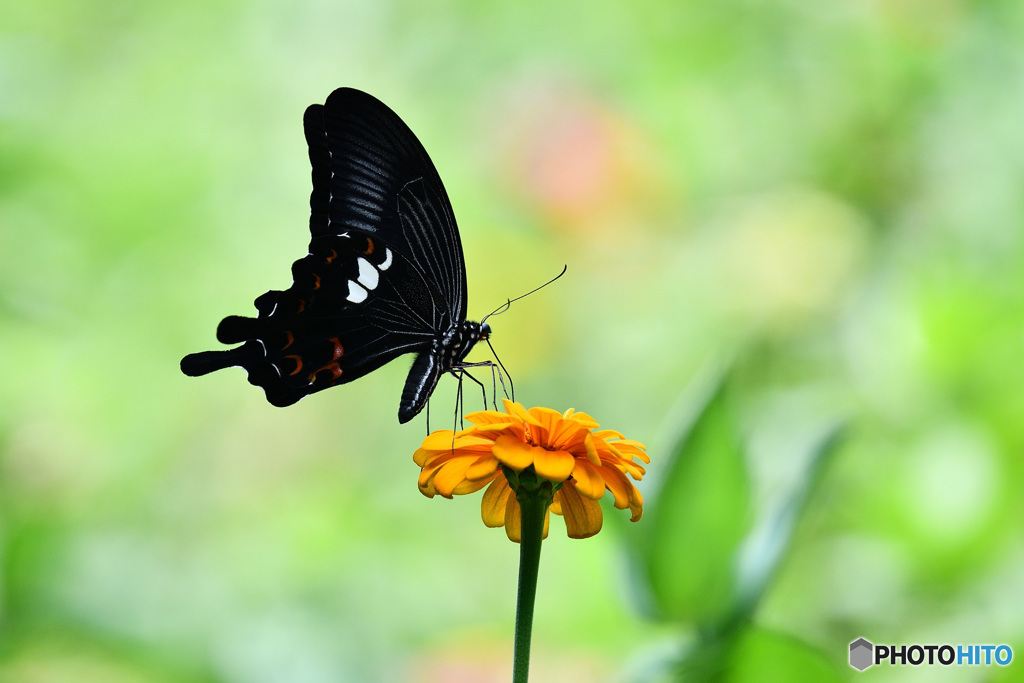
(533, 506)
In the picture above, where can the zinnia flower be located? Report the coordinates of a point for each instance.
(561, 448)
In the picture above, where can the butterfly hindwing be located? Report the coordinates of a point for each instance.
(346, 314)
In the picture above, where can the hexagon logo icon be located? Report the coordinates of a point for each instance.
(861, 654)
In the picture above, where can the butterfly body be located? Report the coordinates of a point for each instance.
(384, 274)
(446, 355)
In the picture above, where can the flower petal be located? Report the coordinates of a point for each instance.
(591, 446)
(438, 440)
(518, 412)
(445, 439)
(484, 417)
(554, 466)
(426, 484)
(484, 467)
(544, 424)
(637, 512)
(513, 453)
(564, 433)
(423, 456)
(451, 475)
(473, 485)
(513, 520)
(462, 447)
(589, 481)
(545, 416)
(625, 493)
(583, 516)
(498, 429)
(556, 505)
(432, 467)
(634, 448)
(633, 469)
(495, 502)
(585, 420)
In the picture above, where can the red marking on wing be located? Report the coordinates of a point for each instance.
(331, 367)
(298, 364)
(333, 256)
(291, 340)
(339, 350)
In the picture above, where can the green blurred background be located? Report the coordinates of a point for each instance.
(829, 193)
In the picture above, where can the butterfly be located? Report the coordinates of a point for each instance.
(384, 275)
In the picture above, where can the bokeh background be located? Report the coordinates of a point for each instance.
(824, 198)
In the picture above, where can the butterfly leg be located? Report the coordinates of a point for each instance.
(483, 388)
(461, 369)
(459, 402)
(503, 372)
(458, 421)
(497, 376)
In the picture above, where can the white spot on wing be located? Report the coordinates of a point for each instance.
(387, 259)
(356, 294)
(368, 275)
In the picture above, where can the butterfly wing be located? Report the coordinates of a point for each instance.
(370, 173)
(384, 274)
(353, 306)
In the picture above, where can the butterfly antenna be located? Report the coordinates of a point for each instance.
(505, 306)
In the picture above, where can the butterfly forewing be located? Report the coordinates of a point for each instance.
(384, 274)
(376, 177)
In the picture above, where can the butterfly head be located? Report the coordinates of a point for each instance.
(461, 340)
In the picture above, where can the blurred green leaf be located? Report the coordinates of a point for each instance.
(700, 514)
(750, 653)
(768, 543)
(767, 656)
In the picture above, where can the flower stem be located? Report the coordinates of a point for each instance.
(533, 507)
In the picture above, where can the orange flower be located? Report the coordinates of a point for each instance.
(561, 448)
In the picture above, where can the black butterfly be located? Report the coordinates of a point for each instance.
(384, 275)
